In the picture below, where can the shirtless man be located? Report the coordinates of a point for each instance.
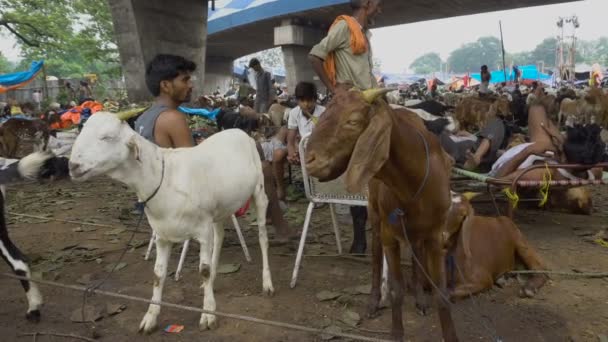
(546, 144)
(168, 78)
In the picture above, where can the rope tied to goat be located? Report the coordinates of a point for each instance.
(544, 188)
(250, 319)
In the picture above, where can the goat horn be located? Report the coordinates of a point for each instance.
(470, 195)
(370, 95)
(127, 114)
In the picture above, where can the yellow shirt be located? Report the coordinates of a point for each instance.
(16, 110)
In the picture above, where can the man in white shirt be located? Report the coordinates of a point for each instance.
(302, 118)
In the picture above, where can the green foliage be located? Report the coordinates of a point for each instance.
(470, 57)
(62, 97)
(427, 63)
(5, 65)
(74, 37)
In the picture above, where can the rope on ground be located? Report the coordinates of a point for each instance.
(76, 337)
(564, 273)
(352, 257)
(68, 221)
(276, 324)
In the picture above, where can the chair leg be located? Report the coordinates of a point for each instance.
(150, 245)
(182, 258)
(334, 222)
(237, 227)
(294, 275)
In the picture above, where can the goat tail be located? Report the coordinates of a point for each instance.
(29, 167)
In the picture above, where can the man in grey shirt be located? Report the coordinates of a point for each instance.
(265, 92)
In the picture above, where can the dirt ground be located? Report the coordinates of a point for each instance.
(566, 309)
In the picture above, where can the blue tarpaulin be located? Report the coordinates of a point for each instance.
(528, 72)
(200, 112)
(18, 79)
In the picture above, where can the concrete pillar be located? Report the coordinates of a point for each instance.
(219, 74)
(295, 42)
(145, 28)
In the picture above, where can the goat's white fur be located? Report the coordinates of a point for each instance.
(30, 165)
(202, 187)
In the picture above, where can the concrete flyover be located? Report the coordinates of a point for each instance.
(240, 27)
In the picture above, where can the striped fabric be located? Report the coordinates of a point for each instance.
(529, 184)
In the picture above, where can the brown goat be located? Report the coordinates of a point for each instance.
(20, 137)
(472, 112)
(485, 249)
(592, 108)
(361, 135)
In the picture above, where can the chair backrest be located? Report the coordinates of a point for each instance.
(327, 192)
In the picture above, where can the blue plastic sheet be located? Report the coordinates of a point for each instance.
(15, 78)
(200, 112)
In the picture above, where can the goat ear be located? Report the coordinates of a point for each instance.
(134, 148)
(465, 235)
(371, 150)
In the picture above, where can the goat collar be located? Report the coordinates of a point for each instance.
(141, 205)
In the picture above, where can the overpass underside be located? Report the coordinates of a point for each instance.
(147, 27)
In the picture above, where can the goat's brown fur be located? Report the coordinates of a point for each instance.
(387, 149)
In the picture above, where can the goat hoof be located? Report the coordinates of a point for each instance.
(269, 291)
(422, 309)
(208, 322)
(397, 337)
(373, 311)
(148, 324)
(358, 248)
(33, 316)
(526, 292)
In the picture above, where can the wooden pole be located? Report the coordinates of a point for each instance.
(502, 43)
(46, 90)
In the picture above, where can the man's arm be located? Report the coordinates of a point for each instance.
(317, 65)
(172, 131)
(338, 37)
(292, 150)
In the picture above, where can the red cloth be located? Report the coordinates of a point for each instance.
(243, 210)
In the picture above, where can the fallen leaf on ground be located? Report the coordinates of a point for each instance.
(350, 318)
(114, 309)
(119, 267)
(228, 268)
(329, 331)
(91, 313)
(327, 295)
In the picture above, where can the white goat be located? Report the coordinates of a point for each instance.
(198, 188)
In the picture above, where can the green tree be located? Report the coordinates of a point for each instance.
(5, 65)
(426, 63)
(72, 36)
(545, 51)
(471, 56)
(520, 58)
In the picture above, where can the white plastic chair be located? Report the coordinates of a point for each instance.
(182, 257)
(332, 193)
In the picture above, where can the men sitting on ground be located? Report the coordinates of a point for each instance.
(476, 153)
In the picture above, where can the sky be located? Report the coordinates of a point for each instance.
(522, 29)
(398, 46)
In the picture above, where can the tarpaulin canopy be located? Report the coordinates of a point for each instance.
(528, 72)
(19, 79)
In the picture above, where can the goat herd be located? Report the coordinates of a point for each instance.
(379, 146)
